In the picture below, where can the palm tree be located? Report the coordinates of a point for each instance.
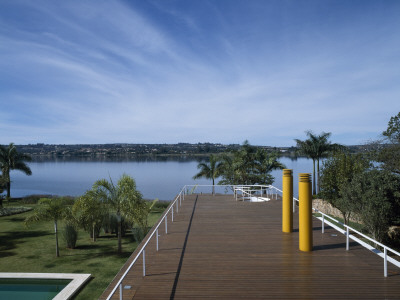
(316, 147)
(90, 212)
(266, 163)
(49, 210)
(210, 170)
(11, 159)
(123, 198)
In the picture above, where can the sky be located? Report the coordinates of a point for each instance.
(220, 71)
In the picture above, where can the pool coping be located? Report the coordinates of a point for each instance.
(66, 293)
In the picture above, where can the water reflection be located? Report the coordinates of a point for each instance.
(156, 176)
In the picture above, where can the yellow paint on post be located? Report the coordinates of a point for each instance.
(305, 213)
(287, 201)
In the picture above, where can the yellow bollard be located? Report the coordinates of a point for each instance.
(287, 201)
(305, 213)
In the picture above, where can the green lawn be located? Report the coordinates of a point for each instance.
(33, 250)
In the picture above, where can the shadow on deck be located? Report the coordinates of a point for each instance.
(221, 248)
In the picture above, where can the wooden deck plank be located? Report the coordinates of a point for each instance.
(236, 250)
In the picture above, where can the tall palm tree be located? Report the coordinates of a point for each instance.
(123, 198)
(210, 170)
(49, 210)
(11, 159)
(316, 147)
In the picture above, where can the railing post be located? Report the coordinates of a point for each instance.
(385, 262)
(294, 205)
(144, 262)
(166, 226)
(177, 207)
(347, 238)
(157, 238)
(323, 223)
(120, 291)
(172, 213)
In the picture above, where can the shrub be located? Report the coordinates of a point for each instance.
(139, 233)
(70, 235)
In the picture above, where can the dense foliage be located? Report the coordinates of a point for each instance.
(337, 171)
(249, 165)
(375, 196)
(123, 199)
(389, 156)
(355, 185)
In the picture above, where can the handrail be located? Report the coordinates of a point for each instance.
(181, 196)
(142, 250)
(346, 232)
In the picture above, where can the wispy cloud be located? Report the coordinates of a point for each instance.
(152, 71)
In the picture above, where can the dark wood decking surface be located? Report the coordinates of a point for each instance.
(220, 248)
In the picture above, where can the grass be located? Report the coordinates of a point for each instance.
(33, 250)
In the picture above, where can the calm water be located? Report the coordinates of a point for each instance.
(154, 178)
(33, 289)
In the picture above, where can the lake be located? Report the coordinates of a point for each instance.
(155, 177)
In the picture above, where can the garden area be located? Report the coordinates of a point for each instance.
(32, 248)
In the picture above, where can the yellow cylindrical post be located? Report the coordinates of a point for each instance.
(305, 213)
(287, 201)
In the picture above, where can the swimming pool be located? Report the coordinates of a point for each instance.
(33, 289)
(40, 286)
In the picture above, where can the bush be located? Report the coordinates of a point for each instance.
(160, 206)
(70, 235)
(139, 233)
(13, 210)
(33, 199)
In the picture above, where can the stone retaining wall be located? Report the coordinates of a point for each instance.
(328, 209)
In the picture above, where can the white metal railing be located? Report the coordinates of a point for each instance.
(349, 236)
(175, 204)
(349, 229)
(257, 191)
(249, 189)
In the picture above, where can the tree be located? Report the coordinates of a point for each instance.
(338, 171)
(249, 165)
(122, 198)
(393, 130)
(11, 159)
(90, 212)
(210, 170)
(316, 147)
(376, 199)
(389, 156)
(139, 216)
(49, 210)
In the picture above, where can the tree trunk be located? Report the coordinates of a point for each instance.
(56, 231)
(119, 233)
(93, 230)
(314, 192)
(213, 188)
(318, 178)
(8, 189)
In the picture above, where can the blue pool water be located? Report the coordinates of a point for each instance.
(32, 289)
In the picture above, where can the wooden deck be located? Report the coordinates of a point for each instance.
(222, 249)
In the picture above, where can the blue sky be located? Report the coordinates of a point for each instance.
(171, 71)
